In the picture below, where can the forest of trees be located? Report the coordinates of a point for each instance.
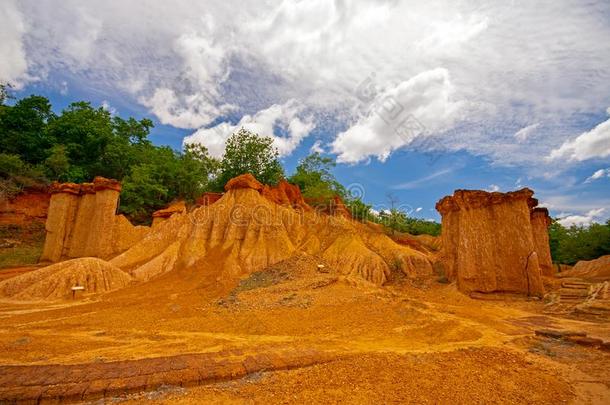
(38, 146)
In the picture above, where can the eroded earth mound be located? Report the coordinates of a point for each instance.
(256, 298)
(56, 281)
(246, 231)
(598, 269)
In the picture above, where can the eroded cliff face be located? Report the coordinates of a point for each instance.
(82, 222)
(286, 194)
(540, 229)
(247, 230)
(177, 207)
(488, 242)
(27, 207)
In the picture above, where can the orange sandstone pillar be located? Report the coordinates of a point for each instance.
(100, 236)
(488, 242)
(540, 225)
(83, 221)
(60, 220)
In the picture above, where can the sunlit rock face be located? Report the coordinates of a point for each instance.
(540, 230)
(488, 242)
(82, 222)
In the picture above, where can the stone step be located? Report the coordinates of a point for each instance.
(576, 283)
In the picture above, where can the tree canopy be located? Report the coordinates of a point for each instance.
(247, 152)
(574, 243)
(37, 146)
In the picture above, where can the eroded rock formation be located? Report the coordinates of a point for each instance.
(177, 207)
(245, 232)
(56, 281)
(285, 194)
(488, 242)
(249, 229)
(540, 229)
(82, 222)
(597, 270)
(208, 198)
(31, 205)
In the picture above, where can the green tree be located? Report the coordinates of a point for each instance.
(143, 193)
(197, 171)
(247, 152)
(317, 183)
(85, 132)
(569, 245)
(57, 164)
(4, 94)
(23, 129)
(128, 146)
(15, 174)
(359, 209)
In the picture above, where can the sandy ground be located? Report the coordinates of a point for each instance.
(402, 343)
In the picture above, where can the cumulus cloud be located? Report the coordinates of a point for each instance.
(493, 188)
(13, 63)
(286, 124)
(588, 145)
(591, 216)
(423, 104)
(598, 175)
(194, 63)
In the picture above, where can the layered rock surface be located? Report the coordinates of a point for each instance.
(598, 269)
(56, 281)
(540, 230)
(488, 242)
(27, 207)
(82, 222)
(245, 231)
(177, 207)
(248, 229)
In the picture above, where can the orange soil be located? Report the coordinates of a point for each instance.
(362, 343)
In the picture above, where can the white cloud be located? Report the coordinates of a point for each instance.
(63, 88)
(193, 63)
(598, 175)
(13, 63)
(418, 209)
(427, 97)
(106, 106)
(524, 133)
(317, 147)
(183, 111)
(591, 216)
(591, 144)
(493, 187)
(288, 118)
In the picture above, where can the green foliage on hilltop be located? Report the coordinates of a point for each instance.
(38, 146)
(247, 152)
(571, 244)
(399, 221)
(314, 177)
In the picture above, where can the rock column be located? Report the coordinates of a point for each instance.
(540, 227)
(488, 242)
(60, 220)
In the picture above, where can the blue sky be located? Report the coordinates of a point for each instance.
(412, 98)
